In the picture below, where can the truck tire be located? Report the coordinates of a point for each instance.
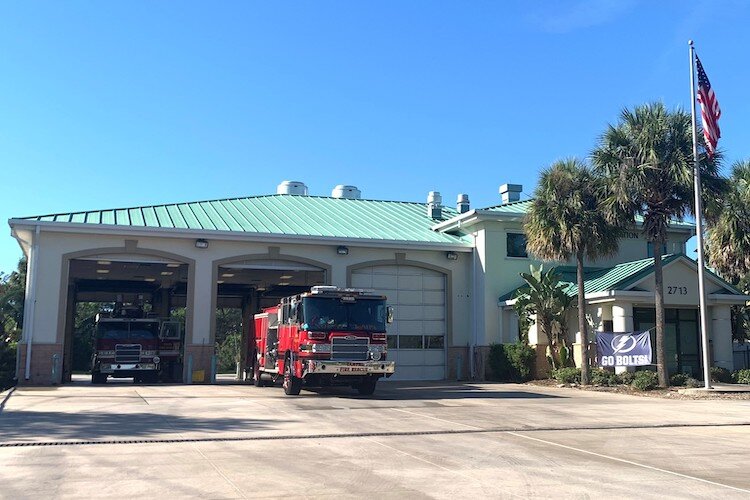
(98, 378)
(257, 377)
(367, 386)
(292, 385)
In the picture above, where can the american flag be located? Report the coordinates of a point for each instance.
(710, 111)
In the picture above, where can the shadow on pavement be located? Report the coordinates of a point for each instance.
(399, 391)
(93, 425)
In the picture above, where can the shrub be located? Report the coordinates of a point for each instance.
(511, 362)
(7, 364)
(567, 375)
(645, 380)
(693, 383)
(600, 376)
(741, 376)
(626, 378)
(678, 380)
(721, 375)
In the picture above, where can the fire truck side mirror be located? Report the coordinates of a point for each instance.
(389, 314)
(170, 330)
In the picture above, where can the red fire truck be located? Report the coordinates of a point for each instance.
(129, 344)
(328, 336)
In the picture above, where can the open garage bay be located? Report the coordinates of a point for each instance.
(415, 440)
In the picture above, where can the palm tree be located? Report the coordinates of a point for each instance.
(728, 240)
(543, 301)
(566, 221)
(648, 165)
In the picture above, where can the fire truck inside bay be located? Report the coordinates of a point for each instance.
(328, 336)
(130, 343)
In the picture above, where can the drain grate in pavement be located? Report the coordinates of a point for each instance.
(219, 439)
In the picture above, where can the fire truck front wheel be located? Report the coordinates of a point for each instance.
(292, 385)
(367, 386)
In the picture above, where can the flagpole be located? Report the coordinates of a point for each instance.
(699, 229)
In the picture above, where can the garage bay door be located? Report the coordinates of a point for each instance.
(416, 338)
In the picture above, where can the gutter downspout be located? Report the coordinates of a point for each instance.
(28, 324)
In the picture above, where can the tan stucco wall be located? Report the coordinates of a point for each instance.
(52, 270)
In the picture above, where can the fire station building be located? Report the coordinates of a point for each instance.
(449, 272)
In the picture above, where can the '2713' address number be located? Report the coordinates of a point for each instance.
(677, 290)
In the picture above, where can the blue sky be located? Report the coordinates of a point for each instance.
(113, 104)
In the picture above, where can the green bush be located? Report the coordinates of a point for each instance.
(721, 375)
(645, 380)
(693, 383)
(741, 376)
(567, 375)
(678, 380)
(600, 376)
(511, 362)
(7, 364)
(626, 378)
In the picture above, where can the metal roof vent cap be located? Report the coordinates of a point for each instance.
(292, 187)
(511, 192)
(462, 203)
(434, 205)
(349, 192)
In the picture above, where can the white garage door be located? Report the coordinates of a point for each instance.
(416, 338)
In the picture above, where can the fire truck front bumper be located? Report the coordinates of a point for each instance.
(113, 368)
(351, 367)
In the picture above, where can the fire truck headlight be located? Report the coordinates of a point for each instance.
(157, 359)
(375, 355)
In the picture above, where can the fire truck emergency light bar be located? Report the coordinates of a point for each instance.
(329, 288)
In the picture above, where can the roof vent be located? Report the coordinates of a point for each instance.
(434, 205)
(462, 203)
(510, 192)
(349, 192)
(292, 187)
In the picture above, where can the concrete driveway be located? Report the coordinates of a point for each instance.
(410, 440)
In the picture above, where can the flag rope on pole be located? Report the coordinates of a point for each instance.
(711, 146)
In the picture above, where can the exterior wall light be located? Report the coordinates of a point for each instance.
(342, 250)
(451, 255)
(201, 243)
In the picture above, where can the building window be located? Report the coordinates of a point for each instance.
(517, 245)
(410, 342)
(650, 249)
(609, 325)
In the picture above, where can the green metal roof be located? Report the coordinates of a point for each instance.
(521, 207)
(291, 215)
(619, 277)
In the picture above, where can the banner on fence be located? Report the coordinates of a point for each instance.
(624, 349)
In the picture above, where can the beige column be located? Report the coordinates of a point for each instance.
(200, 348)
(720, 334)
(622, 321)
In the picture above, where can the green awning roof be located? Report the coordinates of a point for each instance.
(291, 215)
(619, 277)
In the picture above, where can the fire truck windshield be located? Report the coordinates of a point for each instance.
(331, 313)
(127, 330)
